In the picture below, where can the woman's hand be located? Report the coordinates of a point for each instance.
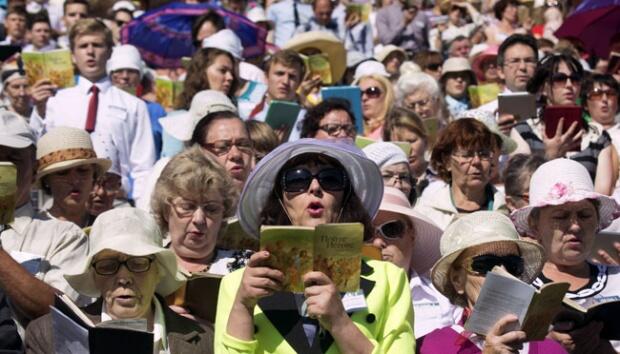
(561, 143)
(609, 260)
(501, 341)
(258, 281)
(308, 86)
(352, 20)
(584, 340)
(324, 301)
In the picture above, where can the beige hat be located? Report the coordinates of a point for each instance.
(181, 124)
(63, 148)
(480, 228)
(457, 65)
(327, 43)
(387, 50)
(133, 232)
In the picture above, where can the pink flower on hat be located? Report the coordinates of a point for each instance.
(559, 191)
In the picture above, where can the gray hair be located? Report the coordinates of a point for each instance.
(411, 82)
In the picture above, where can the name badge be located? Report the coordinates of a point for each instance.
(354, 301)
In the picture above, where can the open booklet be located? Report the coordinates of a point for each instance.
(503, 294)
(235, 238)
(74, 332)
(334, 249)
(607, 312)
(8, 192)
(199, 295)
(167, 91)
(55, 65)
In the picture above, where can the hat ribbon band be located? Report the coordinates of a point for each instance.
(65, 155)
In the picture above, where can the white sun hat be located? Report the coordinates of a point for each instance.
(15, 131)
(225, 40)
(125, 56)
(369, 67)
(63, 148)
(488, 119)
(181, 124)
(562, 181)
(133, 232)
(385, 154)
(482, 228)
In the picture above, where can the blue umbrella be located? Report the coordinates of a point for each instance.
(163, 35)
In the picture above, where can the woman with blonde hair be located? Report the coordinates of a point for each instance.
(377, 99)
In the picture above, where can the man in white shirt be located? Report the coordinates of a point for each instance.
(95, 105)
(61, 245)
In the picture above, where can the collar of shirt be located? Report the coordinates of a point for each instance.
(84, 85)
(23, 217)
(159, 325)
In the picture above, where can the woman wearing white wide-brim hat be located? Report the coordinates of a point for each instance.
(128, 272)
(470, 248)
(564, 214)
(67, 167)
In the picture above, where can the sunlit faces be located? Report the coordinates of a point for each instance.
(221, 74)
(323, 11)
(336, 124)
(396, 250)
(567, 231)
(393, 62)
(398, 176)
(17, 90)
(417, 163)
(194, 223)
(518, 66)
(126, 294)
(73, 13)
(602, 104)
(40, 34)
(15, 25)
(470, 169)
(456, 83)
(71, 187)
(104, 191)
(564, 87)
(315, 205)
(125, 78)
(90, 54)
(282, 82)
(422, 103)
(372, 106)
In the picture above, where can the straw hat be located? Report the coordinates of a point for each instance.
(364, 175)
(427, 234)
(387, 50)
(457, 65)
(133, 232)
(488, 118)
(181, 124)
(63, 148)
(225, 40)
(482, 228)
(385, 154)
(562, 181)
(325, 42)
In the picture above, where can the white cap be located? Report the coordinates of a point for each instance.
(370, 67)
(225, 40)
(385, 154)
(181, 125)
(124, 5)
(125, 56)
(15, 131)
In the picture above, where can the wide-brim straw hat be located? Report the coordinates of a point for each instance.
(482, 228)
(327, 43)
(427, 234)
(363, 174)
(562, 181)
(488, 119)
(133, 232)
(63, 148)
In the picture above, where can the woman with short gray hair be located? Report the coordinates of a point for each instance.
(420, 93)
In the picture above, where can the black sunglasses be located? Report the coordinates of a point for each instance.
(483, 264)
(433, 67)
(372, 92)
(299, 179)
(560, 78)
(391, 230)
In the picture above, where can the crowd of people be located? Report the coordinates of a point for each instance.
(124, 196)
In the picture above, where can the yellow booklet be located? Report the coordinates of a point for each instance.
(55, 65)
(167, 91)
(8, 192)
(482, 94)
(318, 64)
(235, 238)
(362, 10)
(334, 249)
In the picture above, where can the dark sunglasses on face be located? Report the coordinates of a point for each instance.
(372, 92)
(597, 94)
(483, 264)
(433, 67)
(299, 179)
(111, 265)
(391, 230)
(560, 78)
(334, 129)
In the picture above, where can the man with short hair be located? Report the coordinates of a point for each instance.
(40, 31)
(459, 47)
(60, 244)
(322, 20)
(95, 105)
(73, 11)
(15, 26)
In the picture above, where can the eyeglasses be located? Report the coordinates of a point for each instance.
(561, 78)
(334, 129)
(517, 61)
(222, 147)
(372, 92)
(111, 265)
(597, 94)
(185, 208)
(420, 103)
(403, 177)
(463, 75)
(299, 179)
(391, 230)
(468, 156)
(433, 67)
(481, 265)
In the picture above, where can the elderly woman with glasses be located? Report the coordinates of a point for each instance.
(377, 100)
(557, 80)
(420, 93)
(564, 215)
(394, 166)
(307, 183)
(470, 248)
(330, 119)
(128, 272)
(463, 157)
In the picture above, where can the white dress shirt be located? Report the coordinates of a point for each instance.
(119, 114)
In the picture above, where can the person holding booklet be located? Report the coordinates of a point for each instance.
(470, 248)
(564, 214)
(310, 183)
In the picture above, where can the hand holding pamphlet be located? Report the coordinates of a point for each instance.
(55, 65)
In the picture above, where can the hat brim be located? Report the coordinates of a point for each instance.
(533, 259)
(180, 125)
(16, 142)
(426, 241)
(607, 210)
(363, 173)
(83, 279)
(477, 64)
(103, 165)
(336, 54)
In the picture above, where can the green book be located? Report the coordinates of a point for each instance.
(362, 141)
(55, 65)
(334, 249)
(167, 91)
(8, 192)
